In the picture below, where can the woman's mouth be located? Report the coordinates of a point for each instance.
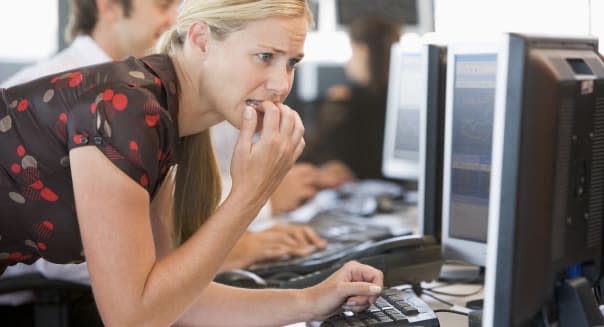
(256, 104)
(253, 103)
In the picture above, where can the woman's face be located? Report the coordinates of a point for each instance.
(253, 64)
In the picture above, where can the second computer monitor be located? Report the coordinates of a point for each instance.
(470, 93)
(401, 134)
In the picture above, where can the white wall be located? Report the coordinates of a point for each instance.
(466, 18)
(28, 29)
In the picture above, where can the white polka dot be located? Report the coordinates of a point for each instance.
(64, 161)
(16, 197)
(107, 129)
(98, 121)
(31, 243)
(98, 98)
(137, 74)
(48, 95)
(29, 161)
(6, 123)
(13, 104)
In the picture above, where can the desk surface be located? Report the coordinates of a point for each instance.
(450, 319)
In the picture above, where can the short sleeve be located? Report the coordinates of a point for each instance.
(130, 127)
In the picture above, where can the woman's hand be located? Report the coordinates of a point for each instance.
(334, 173)
(353, 287)
(297, 186)
(258, 166)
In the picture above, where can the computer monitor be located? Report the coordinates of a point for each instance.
(470, 101)
(417, 15)
(431, 139)
(401, 131)
(547, 183)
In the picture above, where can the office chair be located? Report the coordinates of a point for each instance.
(51, 307)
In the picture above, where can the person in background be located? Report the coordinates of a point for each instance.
(123, 170)
(348, 133)
(98, 31)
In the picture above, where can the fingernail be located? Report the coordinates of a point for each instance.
(350, 304)
(248, 112)
(374, 289)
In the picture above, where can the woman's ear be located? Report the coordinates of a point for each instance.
(198, 36)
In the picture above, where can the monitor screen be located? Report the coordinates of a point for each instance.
(471, 77)
(401, 133)
(547, 192)
(472, 131)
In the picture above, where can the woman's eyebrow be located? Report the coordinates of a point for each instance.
(281, 51)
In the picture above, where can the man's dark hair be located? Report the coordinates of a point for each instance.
(83, 15)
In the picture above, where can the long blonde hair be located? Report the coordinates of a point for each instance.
(197, 190)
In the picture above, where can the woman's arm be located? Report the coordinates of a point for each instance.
(353, 287)
(131, 286)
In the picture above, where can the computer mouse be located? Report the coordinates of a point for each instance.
(240, 278)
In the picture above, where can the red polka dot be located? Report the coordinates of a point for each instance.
(157, 81)
(54, 79)
(133, 146)
(75, 79)
(15, 256)
(63, 117)
(49, 225)
(144, 180)
(151, 120)
(15, 168)
(160, 155)
(37, 185)
(23, 104)
(93, 107)
(42, 246)
(48, 195)
(20, 151)
(120, 101)
(108, 94)
(77, 139)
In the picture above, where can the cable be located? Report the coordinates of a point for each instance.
(455, 294)
(448, 283)
(451, 311)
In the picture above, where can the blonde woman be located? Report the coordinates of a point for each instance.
(88, 159)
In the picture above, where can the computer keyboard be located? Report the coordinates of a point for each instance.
(393, 308)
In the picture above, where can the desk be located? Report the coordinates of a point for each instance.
(450, 319)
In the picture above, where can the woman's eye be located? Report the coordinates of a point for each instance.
(265, 56)
(292, 63)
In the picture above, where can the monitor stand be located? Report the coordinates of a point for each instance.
(461, 273)
(577, 305)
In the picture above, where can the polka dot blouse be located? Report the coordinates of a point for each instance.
(126, 109)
